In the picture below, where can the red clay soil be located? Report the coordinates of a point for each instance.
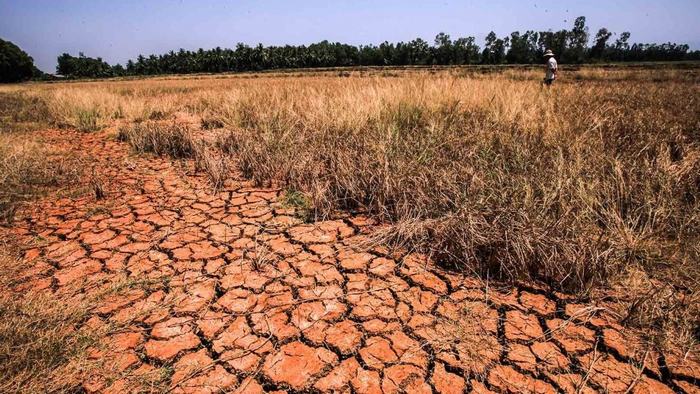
(230, 292)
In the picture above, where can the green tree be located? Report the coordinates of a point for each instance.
(83, 67)
(15, 64)
(577, 41)
(465, 51)
(443, 49)
(118, 70)
(523, 48)
(621, 47)
(556, 41)
(419, 52)
(601, 44)
(622, 42)
(494, 49)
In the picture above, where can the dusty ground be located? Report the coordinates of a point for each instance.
(228, 291)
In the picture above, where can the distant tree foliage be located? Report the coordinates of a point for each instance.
(15, 64)
(83, 66)
(570, 46)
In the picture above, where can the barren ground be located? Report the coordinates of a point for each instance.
(228, 291)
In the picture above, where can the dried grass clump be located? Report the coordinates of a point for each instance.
(28, 169)
(668, 315)
(38, 343)
(172, 139)
(216, 166)
(20, 111)
(178, 141)
(212, 123)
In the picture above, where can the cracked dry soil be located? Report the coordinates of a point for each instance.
(229, 292)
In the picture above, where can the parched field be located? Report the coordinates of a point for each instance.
(376, 232)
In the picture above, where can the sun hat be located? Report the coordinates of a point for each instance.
(548, 53)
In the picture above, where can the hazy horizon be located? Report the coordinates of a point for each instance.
(118, 31)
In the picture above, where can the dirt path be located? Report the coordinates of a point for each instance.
(228, 291)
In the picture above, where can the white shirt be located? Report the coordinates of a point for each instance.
(551, 67)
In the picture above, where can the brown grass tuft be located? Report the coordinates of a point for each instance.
(173, 139)
(20, 111)
(669, 316)
(28, 169)
(178, 141)
(38, 341)
(216, 166)
(212, 123)
(40, 345)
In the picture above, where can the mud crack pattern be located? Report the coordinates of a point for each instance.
(231, 293)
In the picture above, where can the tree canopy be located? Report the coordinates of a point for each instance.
(83, 66)
(15, 64)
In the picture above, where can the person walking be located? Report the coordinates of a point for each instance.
(552, 68)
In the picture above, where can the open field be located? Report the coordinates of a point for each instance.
(356, 231)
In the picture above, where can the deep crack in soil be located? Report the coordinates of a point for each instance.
(228, 291)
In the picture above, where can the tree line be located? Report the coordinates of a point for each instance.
(570, 46)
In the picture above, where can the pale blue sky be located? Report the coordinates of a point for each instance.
(120, 30)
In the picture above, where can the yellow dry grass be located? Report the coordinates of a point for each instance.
(40, 348)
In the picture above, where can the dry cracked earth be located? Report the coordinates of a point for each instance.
(228, 292)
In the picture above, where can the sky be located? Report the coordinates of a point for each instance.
(121, 30)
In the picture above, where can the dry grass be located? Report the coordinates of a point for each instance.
(27, 170)
(173, 140)
(568, 186)
(20, 111)
(38, 342)
(47, 345)
(579, 186)
(27, 167)
(218, 167)
(178, 141)
(41, 349)
(574, 186)
(668, 310)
